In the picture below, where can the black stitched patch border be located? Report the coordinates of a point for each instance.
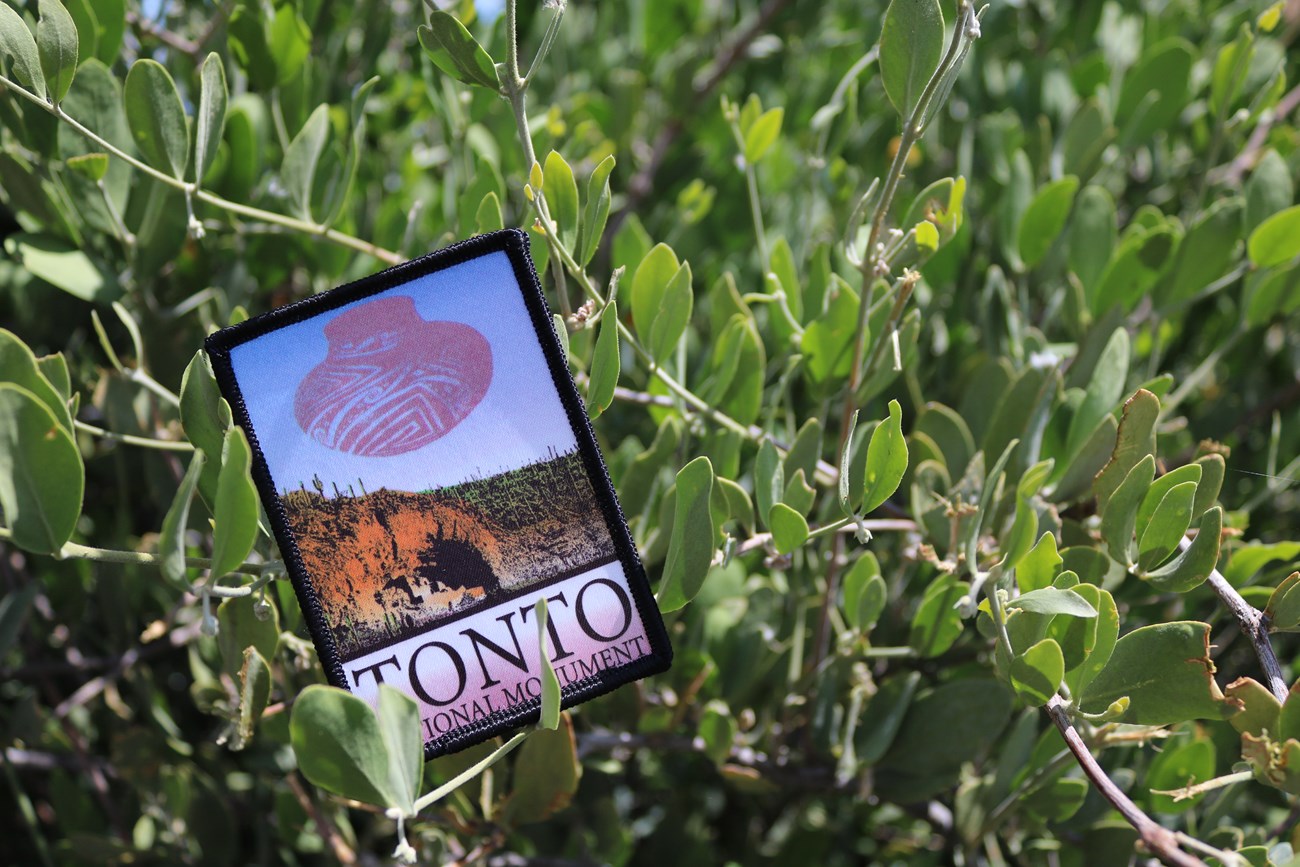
(463, 542)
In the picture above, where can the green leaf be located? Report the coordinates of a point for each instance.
(250, 47)
(1288, 720)
(1092, 637)
(15, 605)
(884, 715)
(886, 460)
(211, 119)
(1205, 254)
(798, 495)
(1193, 566)
(950, 433)
(769, 478)
(1166, 672)
(1135, 440)
(927, 237)
(488, 218)
(718, 730)
(239, 628)
(1283, 607)
(1167, 526)
(937, 623)
(453, 50)
(1045, 217)
(1250, 559)
(301, 159)
(1133, 269)
(846, 466)
(1104, 390)
(289, 41)
(911, 44)
(561, 192)
(865, 593)
(604, 363)
(806, 449)
(1260, 708)
(1276, 240)
(83, 18)
(596, 212)
(1119, 517)
(661, 300)
(1037, 568)
(789, 529)
(156, 117)
(399, 727)
(1177, 767)
(1052, 600)
(1093, 235)
(20, 367)
(41, 476)
(1154, 92)
(64, 266)
(339, 746)
(1269, 190)
(16, 41)
(1161, 486)
(235, 511)
(1024, 527)
(56, 40)
(254, 676)
(928, 742)
(91, 166)
(171, 539)
(1036, 674)
(690, 548)
(550, 706)
(762, 134)
(205, 416)
(545, 777)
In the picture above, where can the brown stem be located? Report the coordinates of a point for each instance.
(324, 825)
(1161, 841)
(1255, 624)
(1246, 159)
(144, 27)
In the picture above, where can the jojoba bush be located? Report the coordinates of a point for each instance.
(944, 359)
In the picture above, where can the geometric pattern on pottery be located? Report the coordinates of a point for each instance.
(392, 381)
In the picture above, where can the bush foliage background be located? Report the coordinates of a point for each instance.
(897, 540)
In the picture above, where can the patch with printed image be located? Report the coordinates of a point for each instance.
(430, 473)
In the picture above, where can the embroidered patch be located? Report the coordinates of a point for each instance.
(429, 472)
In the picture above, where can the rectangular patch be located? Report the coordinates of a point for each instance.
(429, 472)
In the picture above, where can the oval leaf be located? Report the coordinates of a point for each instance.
(911, 43)
(56, 40)
(157, 117)
(604, 363)
(41, 476)
(235, 511)
(337, 740)
(1276, 240)
(211, 120)
(886, 460)
(690, 548)
(16, 41)
(453, 50)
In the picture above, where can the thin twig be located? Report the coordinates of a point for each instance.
(881, 525)
(324, 825)
(1250, 153)
(94, 686)
(1162, 842)
(1255, 624)
(144, 27)
(130, 440)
